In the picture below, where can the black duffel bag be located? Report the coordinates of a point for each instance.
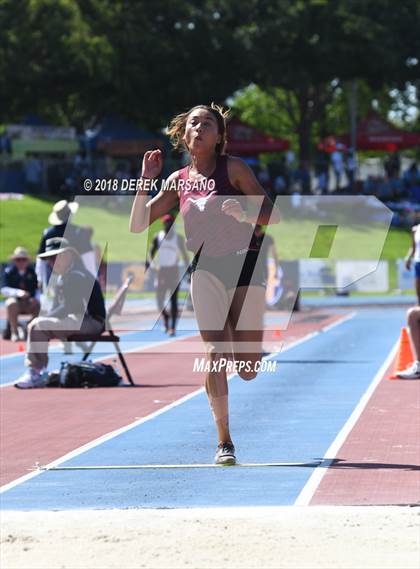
(88, 374)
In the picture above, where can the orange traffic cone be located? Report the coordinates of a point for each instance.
(21, 347)
(405, 354)
(277, 333)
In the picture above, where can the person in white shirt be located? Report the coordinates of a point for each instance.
(338, 166)
(414, 255)
(166, 246)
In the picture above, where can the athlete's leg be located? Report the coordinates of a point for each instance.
(413, 320)
(30, 306)
(174, 309)
(34, 308)
(13, 310)
(160, 297)
(211, 307)
(246, 320)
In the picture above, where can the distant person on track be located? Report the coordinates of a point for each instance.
(78, 308)
(227, 293)
(20, 287)
(166, 247)
(413, 321)
(337, 162)
(267, 250)
(414, 255)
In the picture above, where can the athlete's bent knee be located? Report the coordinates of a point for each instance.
(248, 366)
(250, 370)
(247, 375)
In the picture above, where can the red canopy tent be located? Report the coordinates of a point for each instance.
(245, 140)
(375, 133)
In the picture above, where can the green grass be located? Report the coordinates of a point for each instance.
(22, 222)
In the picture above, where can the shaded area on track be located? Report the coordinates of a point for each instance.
(379, 463)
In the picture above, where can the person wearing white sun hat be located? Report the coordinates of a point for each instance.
(20, 287)
(78, 307)
(61, 226)
(61, 212)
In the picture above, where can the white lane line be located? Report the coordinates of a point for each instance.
(165, 466)
(314, 481)
(57, 349)
(137, 348)
(314, 334)
(104, 438)
(337, 322)
(100, 440)
(8, 356)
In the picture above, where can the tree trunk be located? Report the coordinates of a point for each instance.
(304, 127)
(304, 137)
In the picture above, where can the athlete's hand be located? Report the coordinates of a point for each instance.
(408, 264)
(233, 207)
(152, 164)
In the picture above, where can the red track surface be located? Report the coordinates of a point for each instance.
(7, 347)
(379, 462)
(43, 425)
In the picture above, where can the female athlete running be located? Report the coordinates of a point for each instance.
(220, 201)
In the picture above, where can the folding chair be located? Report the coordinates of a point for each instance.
(108, 334)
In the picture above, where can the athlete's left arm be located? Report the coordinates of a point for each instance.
(243, 178)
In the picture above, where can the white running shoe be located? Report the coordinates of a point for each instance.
(412, 372)
(225, 454)
(31, 379)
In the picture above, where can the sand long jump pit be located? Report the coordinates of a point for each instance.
(350, 537)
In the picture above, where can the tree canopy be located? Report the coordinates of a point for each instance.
(73, 61)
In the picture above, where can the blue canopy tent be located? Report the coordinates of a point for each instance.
(115, 136)
(34, 120)
(30, 147)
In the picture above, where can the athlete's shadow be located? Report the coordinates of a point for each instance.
(160, 385)
(337, 463)
(284, 361)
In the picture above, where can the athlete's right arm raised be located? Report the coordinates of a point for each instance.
(145, 210)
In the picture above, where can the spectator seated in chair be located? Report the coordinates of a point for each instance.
(20, 287)
(78, 307)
